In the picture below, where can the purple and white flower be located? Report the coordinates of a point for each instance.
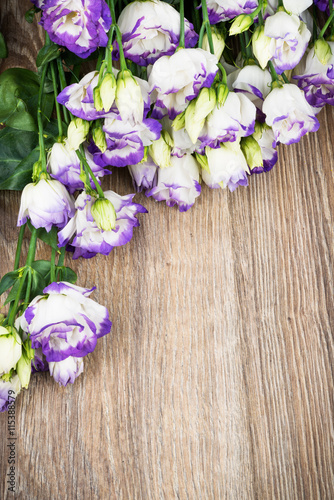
(227, 167)
(230, 121)
(79, 25)
(67, 370)
(125, 142)
(178, 184)
(289, 114)
(88, 239)
(289, 40)
(322, 5)
(152, 29)
(224, 10)
(45, 203)
(8, 391)
(39, 363)
(144, 174)
(64, 166)
(79, 98)
(253, 82)
(64, 321)
(175, 80)
(317, 79)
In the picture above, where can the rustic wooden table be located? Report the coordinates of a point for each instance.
(217, 379)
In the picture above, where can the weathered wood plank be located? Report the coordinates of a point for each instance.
(217, 380)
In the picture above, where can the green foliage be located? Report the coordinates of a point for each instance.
(46, 54)
(19, 150)
(18, 99)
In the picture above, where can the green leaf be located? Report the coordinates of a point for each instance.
(3, 47)
(19, 97)
(42, 266)
(16, 146)
(19, 150)
(30, 15)
(8, 281)
(46, 54)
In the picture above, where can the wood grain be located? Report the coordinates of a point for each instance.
(217, 379)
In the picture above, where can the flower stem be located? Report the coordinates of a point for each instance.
(40, 121)
(53, 265)
(274, 75)
(63, 84)
(81, 155)
(19, 246)
(55, 90)
(207, 25)
(182, 41)
(322, 32)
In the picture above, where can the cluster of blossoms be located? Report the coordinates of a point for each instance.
(172, 103)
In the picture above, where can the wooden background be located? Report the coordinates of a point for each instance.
(217, 379)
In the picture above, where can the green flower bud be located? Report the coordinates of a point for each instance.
(261, 46)
(160, 150)
(99, 138)
(23, 367)
(323, 51)
(77, 132)
(222, 93)
(179, 121)
(218, 42)
(198, 110)
(97, 99)
(252, 152)
(203, 161)
(10, 349)
(104, 214)
(240, 24)
(108, 91)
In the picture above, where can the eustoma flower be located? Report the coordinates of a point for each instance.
(9, 389)
(223, 10)
(64, 322)
(178, 184)
(175, 80)
(45, 203)
(151, 29)
(10, 349)
(80, 25)
(88, 238)
(289, 114)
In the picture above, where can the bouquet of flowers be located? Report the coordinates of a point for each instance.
(178, 95)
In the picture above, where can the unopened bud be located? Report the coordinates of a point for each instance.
(104, 214)
(261, 46)
(323, 51)
(218, 42)
(99, 138)
(222, 93)
(240, 24)
(179, 122)
(198, 110)
(129, 99)
(77, 132)
(160, 150)
(108, 91)
(252, 152)
(203, 161)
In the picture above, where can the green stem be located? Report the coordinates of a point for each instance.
(109, 48)
(223, 72)
(55, 90)
(182, 41)
(63, 84)
(274, 75)
(248, 45)
(201, 34)
(81, 155)
(260, 17)
(40, 121)
(207, 25)
(19, 247)
(53, 265)
(120, 48)
(61, 257)
(328, 22)
(28, 290)
(29, 261)
(285, 78)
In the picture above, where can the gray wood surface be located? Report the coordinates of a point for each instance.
(217, 379)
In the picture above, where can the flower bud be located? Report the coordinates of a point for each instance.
(160, 150)
(104, 214)
(23, 367)
(179, 121)
(261, 46)
(97, 99)
(77, 132)
(323, 51)
(99, 138)
(198, 110)
(10, 349)
(222, 93)
(203, 161)
(218, 42)
(108, 91)
(129, 99)
(252, 152)
(240, 24)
